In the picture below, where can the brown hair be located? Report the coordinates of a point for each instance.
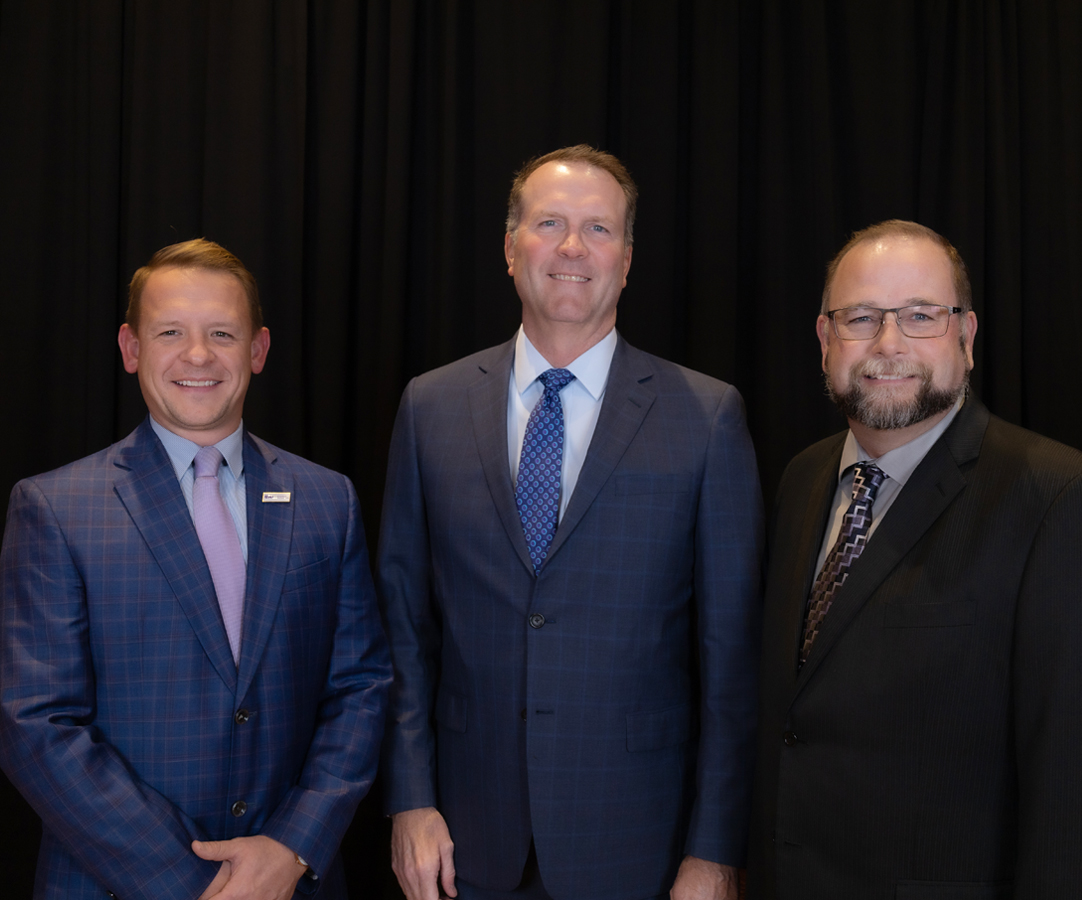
(195, 254)
(587, 155)
(963, 292)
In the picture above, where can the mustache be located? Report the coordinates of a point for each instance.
(882, 368)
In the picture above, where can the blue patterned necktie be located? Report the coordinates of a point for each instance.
(537, 494)
(850, 544)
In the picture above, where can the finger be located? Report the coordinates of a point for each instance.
(212, 850)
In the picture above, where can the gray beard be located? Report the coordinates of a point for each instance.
(887, 414)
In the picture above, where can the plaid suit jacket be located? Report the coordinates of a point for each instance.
(606, 707)
(125, 722)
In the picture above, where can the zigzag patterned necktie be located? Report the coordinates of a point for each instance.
(850, 544)
(537, 494)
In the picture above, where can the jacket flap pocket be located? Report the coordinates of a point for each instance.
(930, 615)
(659, 728)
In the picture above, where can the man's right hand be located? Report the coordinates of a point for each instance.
(422, 854)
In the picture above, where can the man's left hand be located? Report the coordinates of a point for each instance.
(261, 868)
(700, 879)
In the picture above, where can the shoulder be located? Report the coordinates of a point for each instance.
(465, 371)
(1017, 453)
(275, 458)
(676, 389)
(91, 474)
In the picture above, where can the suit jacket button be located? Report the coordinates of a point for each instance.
(523, 714)
(241, 716)
(789, 739)
(536, 620)
(239, 808)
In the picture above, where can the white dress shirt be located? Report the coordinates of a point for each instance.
(581, 401)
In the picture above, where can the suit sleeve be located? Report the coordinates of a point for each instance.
(1048, 705)
(728, 552)
(133, 839)
(412, 623)
(344, 752)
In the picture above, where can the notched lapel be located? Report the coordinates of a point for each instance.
(629, 395)
(270, 535)
(488, 411)
(148, 488)
(929, 491)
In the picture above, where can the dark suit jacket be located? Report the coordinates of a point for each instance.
(124, 720)
(570, 706)
(929, 746)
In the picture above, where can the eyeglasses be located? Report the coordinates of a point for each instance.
(862, 323)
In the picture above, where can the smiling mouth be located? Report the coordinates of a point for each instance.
(197, 383)
(580, 279)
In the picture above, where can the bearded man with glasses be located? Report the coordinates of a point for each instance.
(921, 696)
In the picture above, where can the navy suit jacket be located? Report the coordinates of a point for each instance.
(607, 706)
(928, 748)
(124, 721)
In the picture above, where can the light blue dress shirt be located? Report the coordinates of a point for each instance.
(230, 477)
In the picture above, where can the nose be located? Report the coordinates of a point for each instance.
(198, 352)
(572, 245)
(890, 339)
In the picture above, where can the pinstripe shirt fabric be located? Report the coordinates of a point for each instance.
(124, 720)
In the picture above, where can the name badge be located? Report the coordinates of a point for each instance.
(276, 496)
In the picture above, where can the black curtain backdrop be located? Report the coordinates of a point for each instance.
(357, 156)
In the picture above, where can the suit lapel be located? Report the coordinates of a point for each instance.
(270, 534)
(488, 411)
(148, 488)
(800, 545)
(628, 398)
(928, 492)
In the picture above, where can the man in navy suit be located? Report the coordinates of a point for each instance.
(919, 733)
(177, 744)
(571, 589)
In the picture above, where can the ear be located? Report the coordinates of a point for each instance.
(822, 328)
(627, 262)
(970, 334)
(129, 348)
(260, 346)
(509, 252)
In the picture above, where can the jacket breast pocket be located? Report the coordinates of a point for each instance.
(653, 483)
(307, 578)
(930, 615)
(451, 710)
(954, 890)
(660, 728)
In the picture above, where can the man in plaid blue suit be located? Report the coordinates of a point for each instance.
(163, 762)
(572, 721)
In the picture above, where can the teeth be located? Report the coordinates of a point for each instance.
(196, 383)
(577, 278)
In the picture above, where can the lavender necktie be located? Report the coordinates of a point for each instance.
(221, 546)
(537, 494)
(850, 544)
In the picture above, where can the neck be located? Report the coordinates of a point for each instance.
(879, 441)
(562, 345)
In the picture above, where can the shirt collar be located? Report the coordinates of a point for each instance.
(900, 462)
(591, 369)
(182, 451)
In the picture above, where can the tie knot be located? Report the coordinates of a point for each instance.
(555, 379)
(207, 462)
(866, 480)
